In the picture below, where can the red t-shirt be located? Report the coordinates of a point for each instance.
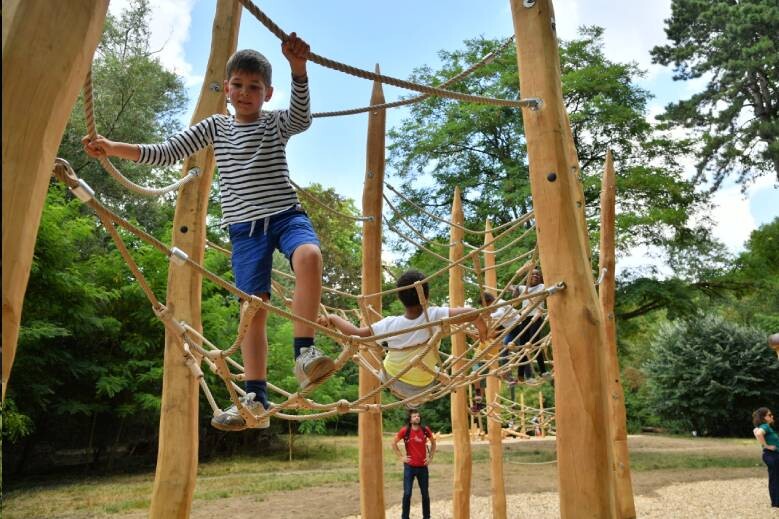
(416, 446)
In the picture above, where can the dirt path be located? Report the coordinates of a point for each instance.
(532, 489)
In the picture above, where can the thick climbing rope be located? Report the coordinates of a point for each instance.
(488, 58)
(89, 112)
(532, 103)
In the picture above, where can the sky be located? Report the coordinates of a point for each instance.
(402, 35)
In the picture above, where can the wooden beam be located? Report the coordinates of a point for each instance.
(494, 425)
(585, 456)
(461, 495)
(618, 417)
(369, 424)
(47, 51)
(174, 482)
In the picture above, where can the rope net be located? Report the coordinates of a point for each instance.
(498, 356)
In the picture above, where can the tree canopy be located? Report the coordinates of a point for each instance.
(734, 46)
(482, 148)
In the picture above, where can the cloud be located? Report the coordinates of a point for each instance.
(169, 25)
(632, 28)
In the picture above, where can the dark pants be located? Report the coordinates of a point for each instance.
(530, 333)
(771, 459)
(409, 473)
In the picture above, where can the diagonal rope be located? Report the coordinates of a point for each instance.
(532, 103)
(488, 58)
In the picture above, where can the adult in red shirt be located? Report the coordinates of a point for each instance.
(415, 436)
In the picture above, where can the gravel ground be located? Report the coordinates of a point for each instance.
(731, 499)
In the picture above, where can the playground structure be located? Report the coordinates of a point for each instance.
(590, 440)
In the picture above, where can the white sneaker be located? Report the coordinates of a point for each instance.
(312, 368)
(231, 420)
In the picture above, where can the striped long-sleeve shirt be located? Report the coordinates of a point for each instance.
(254, 176)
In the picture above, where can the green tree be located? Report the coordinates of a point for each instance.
(482, 149)
(709, 374)
(735, 46)
(136, 100)
(756, 274)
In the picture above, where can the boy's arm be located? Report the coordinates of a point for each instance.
(296, 51)
(179, 146)
(477, 320)
(102, 147)
(298, 118)
(344, 326)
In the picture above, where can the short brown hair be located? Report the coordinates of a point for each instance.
(251, 61)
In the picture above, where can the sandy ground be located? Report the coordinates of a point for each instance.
(739, 493)
(740, 498)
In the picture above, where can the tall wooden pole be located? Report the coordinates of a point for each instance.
(174, 482)
(618, 417)
(369, 424)
(47, 50)
(585, 456)
(461, 498)
(494, 426)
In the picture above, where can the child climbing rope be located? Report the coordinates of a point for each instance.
(403, 347)
(259, 207)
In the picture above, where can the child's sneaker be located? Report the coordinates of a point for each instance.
(312, 367)
(231, 419)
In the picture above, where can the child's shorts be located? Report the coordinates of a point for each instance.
(402, 389)
(254, 243)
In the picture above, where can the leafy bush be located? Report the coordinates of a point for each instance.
(708, 374)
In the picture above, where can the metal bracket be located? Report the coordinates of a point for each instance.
(528, 3)
(534, 103)
(602, 275)
(82, 191)
(215, 87)
(178, 256)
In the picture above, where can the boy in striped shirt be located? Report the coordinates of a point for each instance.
(259, 207)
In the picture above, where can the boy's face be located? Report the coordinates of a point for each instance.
(247, 92)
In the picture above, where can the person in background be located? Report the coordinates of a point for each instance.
(763, 420)
(415, 437)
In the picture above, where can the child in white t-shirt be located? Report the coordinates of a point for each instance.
(404, 347)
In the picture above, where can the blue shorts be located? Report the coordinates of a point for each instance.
(254, 243)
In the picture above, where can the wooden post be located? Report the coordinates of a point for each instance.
(494, 426)
(623, 486)
(47, 51)
(174, 482)
(461, 496)
(369, 424)
(585, 456)
(522, 416)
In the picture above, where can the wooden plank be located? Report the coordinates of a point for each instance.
(47, 51)
(174, 482)
(461, 494)
(369, 424)
(607, 292)
(585, 456)
(494, 426)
